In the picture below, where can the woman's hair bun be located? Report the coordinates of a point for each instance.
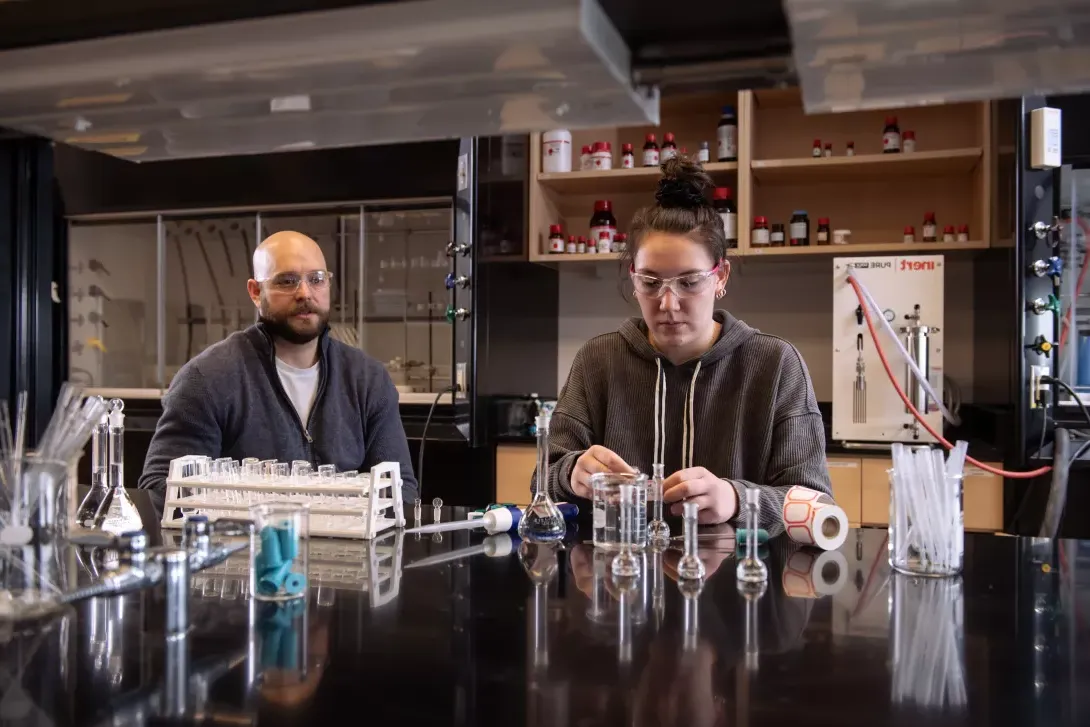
(682, 185)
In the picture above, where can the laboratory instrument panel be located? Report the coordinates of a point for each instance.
(908, 291)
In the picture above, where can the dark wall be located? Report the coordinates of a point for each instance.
(96, 183)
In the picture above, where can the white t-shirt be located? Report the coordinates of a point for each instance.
(301, 386)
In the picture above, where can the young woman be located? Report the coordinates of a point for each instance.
(721, 405)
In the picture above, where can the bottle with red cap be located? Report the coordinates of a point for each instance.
(571, 248)
(828, 149)
(556, 239)
(823, 233)
(759, 236)
(581, 245)
(849, 149)
(669, 147)
(650, 152)
(723, 202)
(930, 228)
(963, 233)
(816, 151)
(584, 158)
(910, 234)
(602, 221)
(628, 158)
(891, 136)
(908, 141)
(601, 156)
(948, 234)
(605, 241)
(620, 242)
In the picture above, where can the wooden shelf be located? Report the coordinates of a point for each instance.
(866, 166)
(867, 248)
(598, 257)
(619, 181)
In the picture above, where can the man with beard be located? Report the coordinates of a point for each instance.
(282, 389)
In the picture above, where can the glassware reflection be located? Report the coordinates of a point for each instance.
(927, 623)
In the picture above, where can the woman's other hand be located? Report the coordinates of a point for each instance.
(594, 460)
(715, 497)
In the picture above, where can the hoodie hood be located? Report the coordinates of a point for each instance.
(733, 333)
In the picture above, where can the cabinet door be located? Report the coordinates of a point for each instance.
(515, 465)
(844, 472)
(875, 490)
(982, 499)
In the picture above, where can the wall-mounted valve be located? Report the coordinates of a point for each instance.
(1040, 345)
(1040, 306)
(456, 248)
(456, 281)
(456, 314)
(1053, 267)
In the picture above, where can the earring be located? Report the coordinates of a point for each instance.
(720, 293)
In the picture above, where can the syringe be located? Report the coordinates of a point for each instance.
(497, 520)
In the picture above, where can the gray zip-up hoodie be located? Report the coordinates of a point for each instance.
(745, 410)
(229, 402)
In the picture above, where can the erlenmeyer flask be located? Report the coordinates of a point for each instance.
(542, 520)
(85, 516)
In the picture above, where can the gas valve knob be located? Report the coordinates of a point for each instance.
(456, 281)
(1040, 345)
(456, 314)
(456, 248)
(1053, 267)
(1040, 306)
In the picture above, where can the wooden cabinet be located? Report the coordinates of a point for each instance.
(846, 476)
(515, 465)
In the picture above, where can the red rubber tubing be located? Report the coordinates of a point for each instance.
(915, 412)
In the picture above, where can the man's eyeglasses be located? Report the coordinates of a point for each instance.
(683, 286)
(289, 282)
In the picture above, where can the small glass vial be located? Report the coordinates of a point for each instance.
(584, 158)
(823, 233)
(777, 237)
(690, 566)
(704, 155)
(930, 228)
(800, 229)
(669, 147)
(556, 239)
(650, 152)
(828, 150)
(570, 248)
(605, 243)
(963, 233)
(751, 569)
(910, 234)
(759, 235)
(620, 242)
(581, 245)
(849, 150)
(628, 158)
(908, 141)
(891, 136)
(816, 151)
(724, 204)
(601, 156)
(948, 233)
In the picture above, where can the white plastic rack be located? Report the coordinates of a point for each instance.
(346, 505)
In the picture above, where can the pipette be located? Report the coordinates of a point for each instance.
(497, 520)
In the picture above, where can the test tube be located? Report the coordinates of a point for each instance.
(300, 470)
(690, 566)
(251, 469)
(267, 468)
(280, 472)
(327, 472)
(752, 569)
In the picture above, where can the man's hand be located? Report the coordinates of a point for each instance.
(715, 497)
(594, 460)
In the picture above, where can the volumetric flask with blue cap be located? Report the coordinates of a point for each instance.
(278, 550)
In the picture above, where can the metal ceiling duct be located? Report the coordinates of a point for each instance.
(393, 72)
(860, 54)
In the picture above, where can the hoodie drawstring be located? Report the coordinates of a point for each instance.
(688, 434)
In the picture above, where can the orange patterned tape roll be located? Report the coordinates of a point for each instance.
(810, 574)
(812, 518)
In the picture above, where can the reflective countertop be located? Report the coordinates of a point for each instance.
(509, 633)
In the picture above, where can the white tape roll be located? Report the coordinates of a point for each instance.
(812, 518)
(813, 574)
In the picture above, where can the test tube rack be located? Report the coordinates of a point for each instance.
(369, 567)
(356, 507)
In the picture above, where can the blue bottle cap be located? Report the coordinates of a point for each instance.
(728, 110)
(799, 212)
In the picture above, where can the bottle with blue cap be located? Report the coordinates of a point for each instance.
(727, 134)
(800, 229)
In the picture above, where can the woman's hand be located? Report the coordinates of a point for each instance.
(715, 497)
(594, 460)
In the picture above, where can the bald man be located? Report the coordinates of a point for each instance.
(282, 389)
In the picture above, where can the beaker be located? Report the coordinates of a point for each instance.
(606, 506)
(278, 550)
(926, 531)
